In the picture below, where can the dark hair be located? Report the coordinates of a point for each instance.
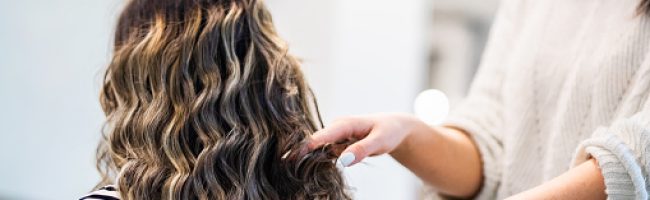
(203, 102)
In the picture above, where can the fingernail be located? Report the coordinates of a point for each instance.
(345, 159)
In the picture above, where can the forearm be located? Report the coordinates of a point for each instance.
(582, 182)
(445, 158)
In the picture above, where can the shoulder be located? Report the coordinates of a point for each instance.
(108, 192)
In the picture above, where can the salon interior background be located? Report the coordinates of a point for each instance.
(360, 56)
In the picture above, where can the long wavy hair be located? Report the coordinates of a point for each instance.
(203, 101)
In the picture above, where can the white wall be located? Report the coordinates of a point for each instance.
(361, 56)
(51, 53)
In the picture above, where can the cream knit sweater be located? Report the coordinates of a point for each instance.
(562, 81)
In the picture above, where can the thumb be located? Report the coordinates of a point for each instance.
(357, 152)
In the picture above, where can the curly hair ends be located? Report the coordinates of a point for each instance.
(203, 101)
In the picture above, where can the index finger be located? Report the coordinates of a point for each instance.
(341, 131)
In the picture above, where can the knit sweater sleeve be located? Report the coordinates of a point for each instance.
(623, 154)
(486, 95)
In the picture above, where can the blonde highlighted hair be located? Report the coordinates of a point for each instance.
(203, 102)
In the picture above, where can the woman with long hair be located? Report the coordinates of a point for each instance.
(203, 101)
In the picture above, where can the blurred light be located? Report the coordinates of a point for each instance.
(431, 106)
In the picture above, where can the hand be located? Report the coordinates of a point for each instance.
(369, 135)
(444, 157)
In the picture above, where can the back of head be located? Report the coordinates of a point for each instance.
(203, 102)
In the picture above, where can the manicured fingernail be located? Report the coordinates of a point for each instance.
(345, 159)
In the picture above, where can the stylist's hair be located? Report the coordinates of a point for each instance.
(203, 102)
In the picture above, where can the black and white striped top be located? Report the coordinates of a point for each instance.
(108, 192)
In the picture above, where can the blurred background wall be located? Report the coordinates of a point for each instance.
(360, 56)
(51, 53)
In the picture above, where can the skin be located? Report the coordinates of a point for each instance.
(444, 157)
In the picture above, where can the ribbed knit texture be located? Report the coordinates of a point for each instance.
(562, 81)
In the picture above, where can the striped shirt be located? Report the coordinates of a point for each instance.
(108, 192)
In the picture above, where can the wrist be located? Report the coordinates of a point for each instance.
(413, 129)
